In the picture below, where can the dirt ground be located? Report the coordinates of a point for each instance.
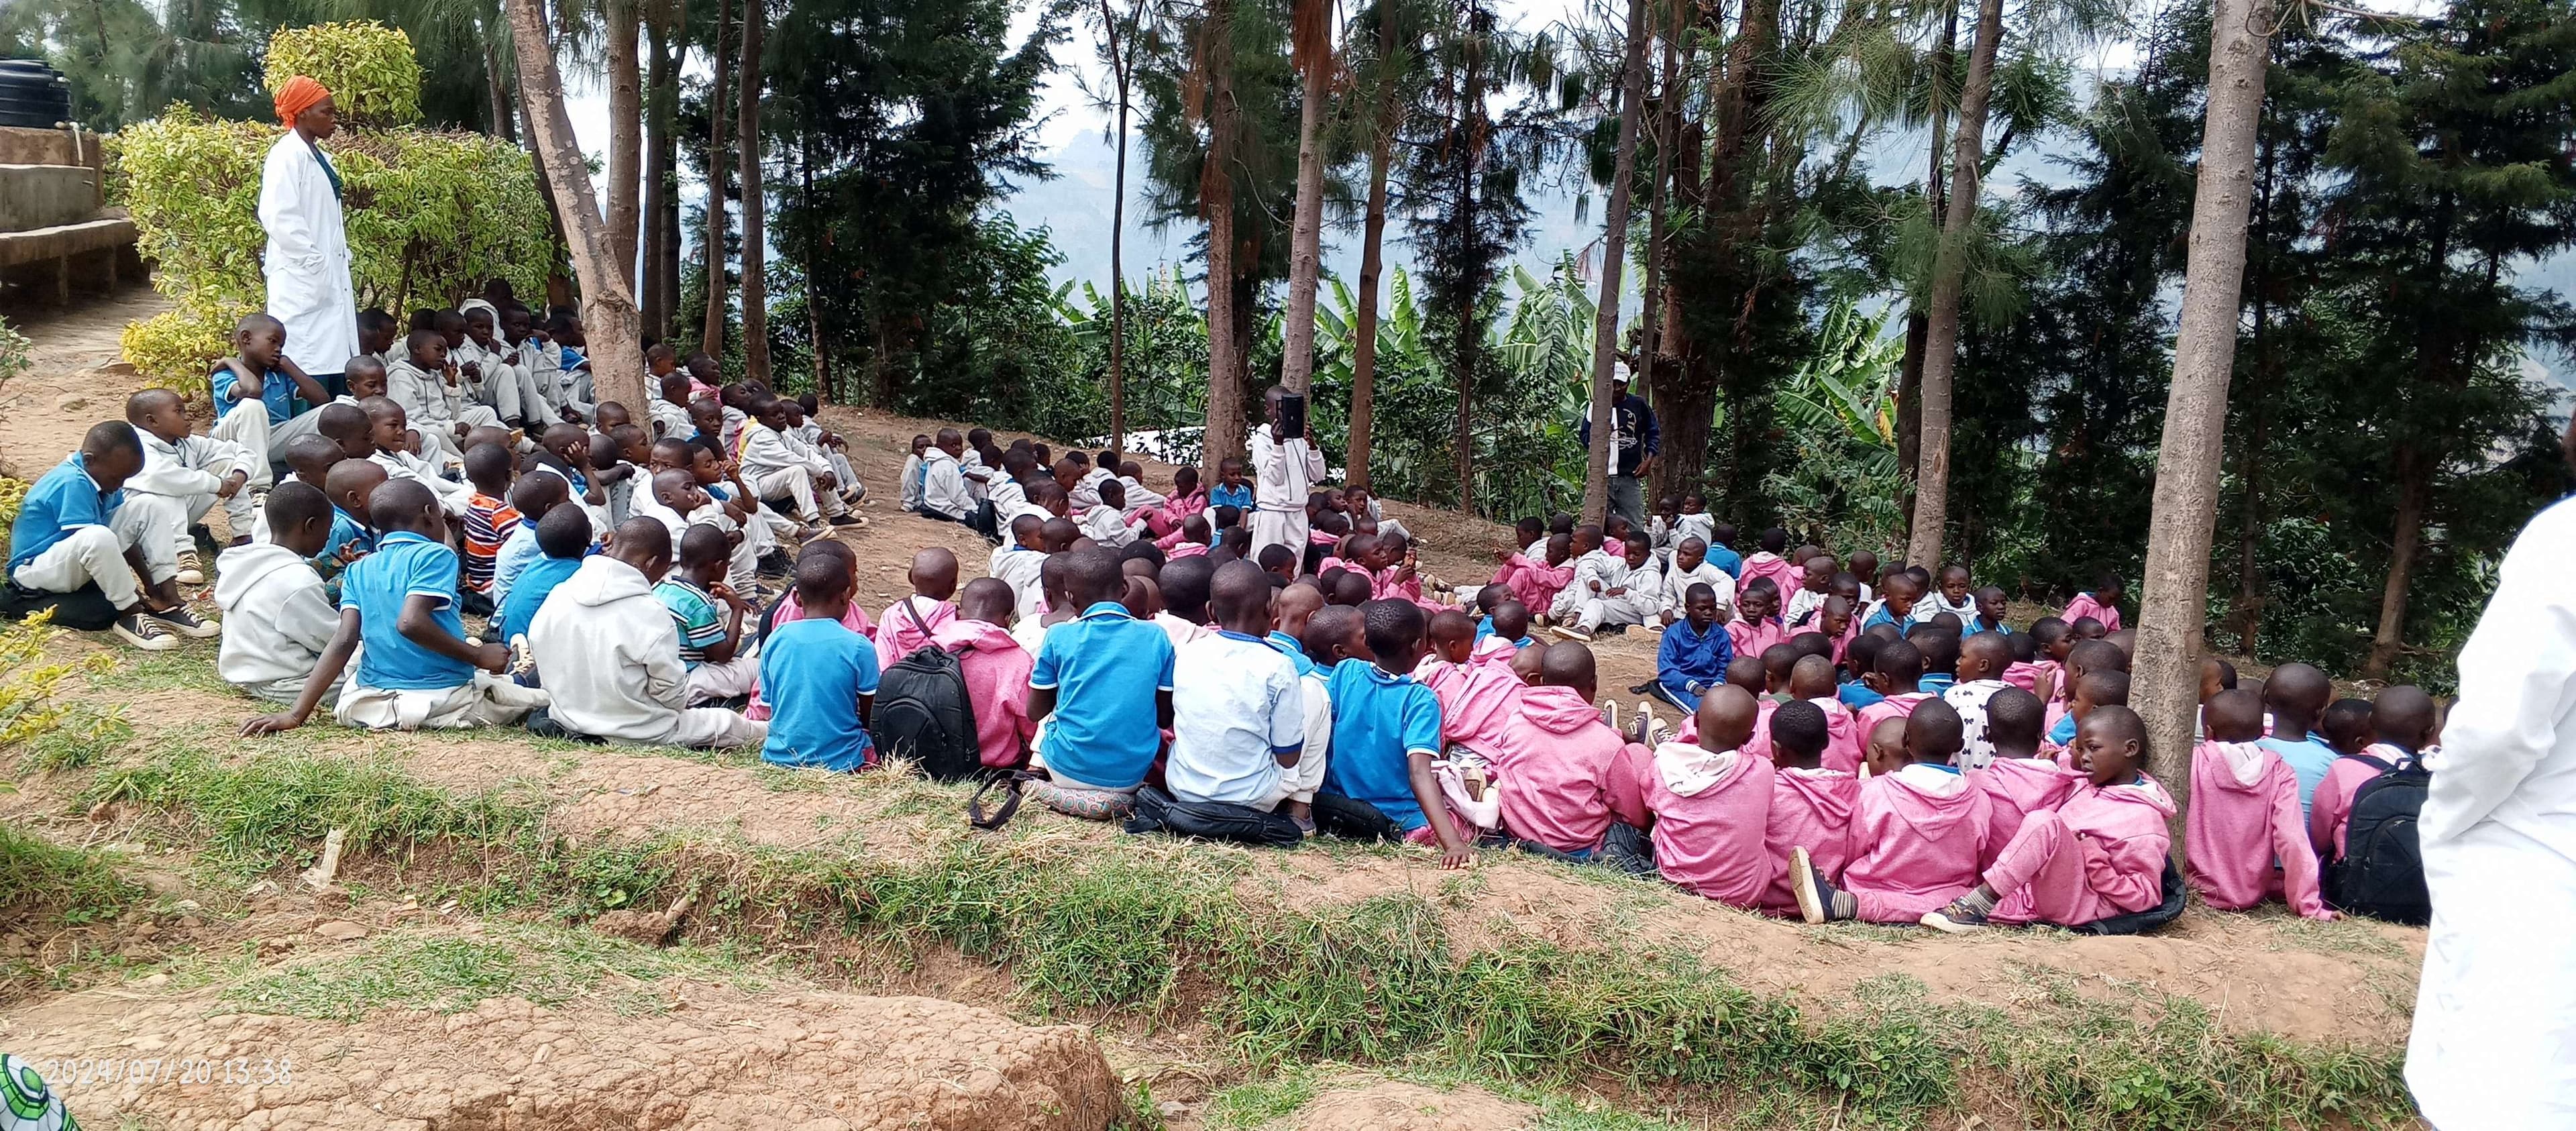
(832, 1054)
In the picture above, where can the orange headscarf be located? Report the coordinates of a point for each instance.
(299, 94)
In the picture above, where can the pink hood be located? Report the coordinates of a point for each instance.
(1557, 710)
(2022, 786)
(2023, 676)
(2244, 817)
(976, 635)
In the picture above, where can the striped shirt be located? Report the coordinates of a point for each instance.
(488, 523)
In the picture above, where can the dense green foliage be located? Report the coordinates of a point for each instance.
(369, 68)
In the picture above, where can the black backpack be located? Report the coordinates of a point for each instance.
(2381, 872)
(923, 712)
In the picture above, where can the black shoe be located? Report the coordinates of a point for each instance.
(1646, 688)
(178, 619)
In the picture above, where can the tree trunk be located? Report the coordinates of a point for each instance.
(755, 203)
(1313, 37)
(1223, 436)
(711, 336)
(1364, 324)
(659, 75)
(2414, 474)
(496, 85)
(608, 306)
(1918, 323)
(1949, 284)
(1668, 121)
(813, 241)
(1471, 131)
(2175, 601)
(625, 138)
(1614, 261)
(1119, 73)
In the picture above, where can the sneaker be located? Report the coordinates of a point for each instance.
(144, 632)
(1573, 632)
(1651, 731)
(849, 521)
(1818, 901)
(192, 570)
(178, 619)
(1610, 713)
(1961, 917)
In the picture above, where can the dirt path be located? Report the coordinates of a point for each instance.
(79, 377)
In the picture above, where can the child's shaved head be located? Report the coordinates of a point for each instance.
(2234, 715)
(1725, 716)
(1812, 677)
(1746, 671)
(934, 573)
(2014, 719)
(1511, 620)
(1799, 734)
(987, 599)
(2346, 725)
(1933, 732)
(2405, 716)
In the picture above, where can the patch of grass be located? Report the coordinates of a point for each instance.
(447, 974)
(1156, 930)
(81, 739)
(2340, 936)
(43, 882)
(191, 666)
(1263, 1101)
(257, 813)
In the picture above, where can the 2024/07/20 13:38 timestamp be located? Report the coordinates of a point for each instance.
(185, 1071)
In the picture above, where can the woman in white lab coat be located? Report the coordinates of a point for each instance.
(307, 261)
(2495, 1013)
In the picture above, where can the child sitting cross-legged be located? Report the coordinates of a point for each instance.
(418, 670)
(1379, 783)
(562, 540)
(2243, 839)
(1919, 834)
(279, 618)
(2100, 853)
(611, 655)
(1811, 803)
(1102, 688)
(2022, 776)
(1570, 784)
(1238, 705)
(996, 670)
(708, 615)
(1711, 801)
(1694, 653)
(819, 677)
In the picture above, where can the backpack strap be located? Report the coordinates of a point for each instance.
(2375, 760)
(1010, 781)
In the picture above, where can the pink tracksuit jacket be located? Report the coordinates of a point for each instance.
(2244, 817)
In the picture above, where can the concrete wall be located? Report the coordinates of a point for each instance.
(46, 196)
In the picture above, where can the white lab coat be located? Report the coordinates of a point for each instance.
(2494, 1044)
(307, 260)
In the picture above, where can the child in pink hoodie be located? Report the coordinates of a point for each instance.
(1812, 680)
(2245, 815)
(1756, 626)
(2100, 854)
(1811, 804)
(1769, 562)
(1535, 584)
(1919, 835)
(2404, 720)
(2101, 604)
(1565, 775)
(996, 670)
(2021, 779)
(934, 581)
(1711, 802)
(1476, 699)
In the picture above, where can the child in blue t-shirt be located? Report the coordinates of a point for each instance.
(818, 677)
(1386, 734)
(418, 669)
(1102, 688)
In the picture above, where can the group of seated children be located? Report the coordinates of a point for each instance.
(1857, 742)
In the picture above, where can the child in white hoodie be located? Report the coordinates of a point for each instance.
(184, 475)
(610, 653)
(278, 617)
